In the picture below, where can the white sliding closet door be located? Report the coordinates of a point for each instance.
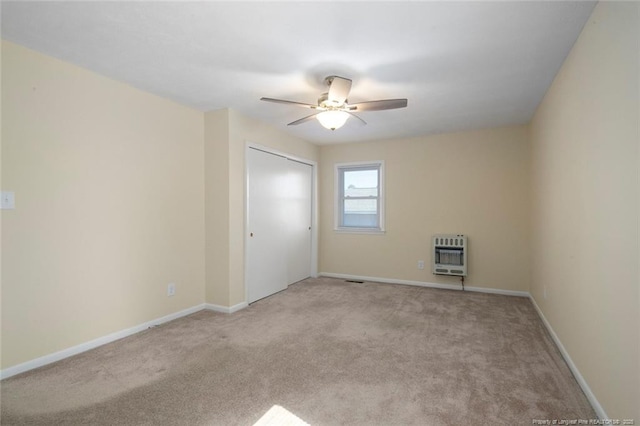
(299, 221)
(278, 223)
(267, 262)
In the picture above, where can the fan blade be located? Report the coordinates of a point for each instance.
(303, 120)
(379, 105)
(339, 89)
(353, 115)
(282, 101)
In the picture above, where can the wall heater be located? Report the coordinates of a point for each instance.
(449, 255)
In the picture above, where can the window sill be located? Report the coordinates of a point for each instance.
(374, 231)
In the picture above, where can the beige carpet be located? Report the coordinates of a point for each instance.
(326, 351)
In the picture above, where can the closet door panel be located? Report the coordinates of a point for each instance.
(267, 224)
(299, 221)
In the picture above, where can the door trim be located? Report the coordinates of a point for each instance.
(314, 206)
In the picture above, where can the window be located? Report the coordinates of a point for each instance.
(359, 197)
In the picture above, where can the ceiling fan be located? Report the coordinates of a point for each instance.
(333, 108)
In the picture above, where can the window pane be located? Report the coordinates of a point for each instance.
(360, 213)
(359, 204)
(360, 183)
(360, 220)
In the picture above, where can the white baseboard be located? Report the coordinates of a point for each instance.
(225, 309)
(426, 284)
(576, 373)
(497, 291)
(83, 347)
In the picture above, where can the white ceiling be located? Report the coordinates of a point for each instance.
(462, 65)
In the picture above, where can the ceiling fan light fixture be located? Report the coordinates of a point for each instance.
(332, 120)
(333, 108)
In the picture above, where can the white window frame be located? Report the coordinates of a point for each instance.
(339, 169)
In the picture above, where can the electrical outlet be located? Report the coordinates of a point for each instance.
(171, 289)
(420, 264)
(8, 200)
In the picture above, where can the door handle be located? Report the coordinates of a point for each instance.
(251, 234)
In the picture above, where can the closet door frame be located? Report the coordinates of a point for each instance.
(314, 207)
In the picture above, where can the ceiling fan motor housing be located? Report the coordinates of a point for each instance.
(325, 102)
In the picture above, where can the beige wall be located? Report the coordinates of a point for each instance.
(226, 135)
(109, 185)
(119, 192)
(585, 206)
(216, 148)
(474, 183)
(1, 212)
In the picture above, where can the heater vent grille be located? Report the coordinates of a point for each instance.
(449, 255)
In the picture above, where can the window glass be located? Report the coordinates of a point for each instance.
(359, 197)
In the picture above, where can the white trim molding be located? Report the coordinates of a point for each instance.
(427, 284)
(574, 369)
(225, 309)
(92, 344)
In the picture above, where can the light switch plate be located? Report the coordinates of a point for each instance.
(8, 200)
